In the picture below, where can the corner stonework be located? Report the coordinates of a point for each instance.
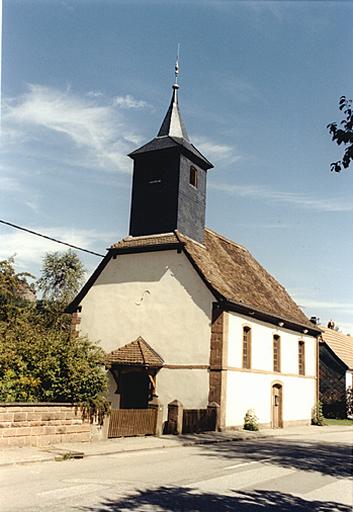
(218, 361)
(75, 322)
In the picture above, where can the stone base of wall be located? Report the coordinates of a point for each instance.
(42, 424)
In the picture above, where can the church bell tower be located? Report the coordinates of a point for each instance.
(169, 180)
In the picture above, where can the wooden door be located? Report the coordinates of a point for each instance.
(277, 421)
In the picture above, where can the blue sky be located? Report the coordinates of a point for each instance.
(86, 82)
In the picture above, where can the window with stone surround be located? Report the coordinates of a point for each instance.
(301, 357)
(276, 353)
(246, 347)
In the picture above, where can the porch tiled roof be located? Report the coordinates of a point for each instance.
(136, 353)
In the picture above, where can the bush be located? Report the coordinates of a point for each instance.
(40, 361)
(251, 421)
(317, 417)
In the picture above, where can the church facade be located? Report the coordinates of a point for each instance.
(185, 314)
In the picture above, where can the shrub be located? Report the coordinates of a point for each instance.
(251, 421)
(317, 417)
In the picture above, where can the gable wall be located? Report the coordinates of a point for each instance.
(159, 296)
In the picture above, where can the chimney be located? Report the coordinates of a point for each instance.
(315, 320)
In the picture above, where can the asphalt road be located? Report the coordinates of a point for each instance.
(278, 475)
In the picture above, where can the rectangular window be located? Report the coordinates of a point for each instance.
(246, 347)
(301, 357)
(276, 353)
(193, 176)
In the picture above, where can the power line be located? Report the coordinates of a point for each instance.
(50, 238)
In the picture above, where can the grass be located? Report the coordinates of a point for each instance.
(342, 423)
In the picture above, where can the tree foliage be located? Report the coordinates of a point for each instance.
(343, 134)
(39, 358)
(62, 276)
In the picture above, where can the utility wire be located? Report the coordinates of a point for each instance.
(50, 238)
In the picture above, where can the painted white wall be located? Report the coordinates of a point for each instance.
(159, 296)
(247, 390)
(262, 346)
(349, 379)
(251, 390)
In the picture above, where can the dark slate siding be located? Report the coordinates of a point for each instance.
(191, 201)
(154, 200)
(163, 199)
(332, 384)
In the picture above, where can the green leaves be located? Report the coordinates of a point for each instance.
(343, 135)
(62, 276)
(39, 359)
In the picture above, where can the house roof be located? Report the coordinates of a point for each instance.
(340, 344)
(167, 142)
(231, 273)
(172, 123)
(173, 134)
(136, 353)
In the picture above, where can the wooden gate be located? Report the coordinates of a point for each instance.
(132, 422)
(199, 420)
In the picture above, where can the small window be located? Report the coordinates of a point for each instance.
(301, 357)
(246, 347)
(193, 176)
(276, 353)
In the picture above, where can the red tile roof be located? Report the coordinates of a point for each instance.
(136, 353)
(232, 272)
(340, 344)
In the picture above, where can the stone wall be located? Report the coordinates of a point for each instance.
(41, 424)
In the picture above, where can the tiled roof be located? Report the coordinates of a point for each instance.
(340, 344)
(136, 353)
(232, 272)
(144, 241)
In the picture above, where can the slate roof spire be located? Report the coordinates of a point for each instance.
(173, 125)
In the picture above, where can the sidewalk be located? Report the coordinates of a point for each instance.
(59, 452)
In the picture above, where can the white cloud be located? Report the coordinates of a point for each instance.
(214, 150)
(293, 198)
(129, 101)
(95, 94)
(342, 307)
(29, 249)
(96, 132)
(8, 184)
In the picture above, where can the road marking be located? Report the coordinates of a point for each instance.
(247, 464)
(67, 492)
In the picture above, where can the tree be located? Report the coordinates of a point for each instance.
(62, 276)
(41, 361)
(343, 135)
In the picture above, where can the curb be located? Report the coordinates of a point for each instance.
(59, 454)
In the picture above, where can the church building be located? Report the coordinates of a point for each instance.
(186, 314)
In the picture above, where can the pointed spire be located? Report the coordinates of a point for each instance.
(173, 125)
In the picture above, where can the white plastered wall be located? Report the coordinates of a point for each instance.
(252, 389)
(159, 296)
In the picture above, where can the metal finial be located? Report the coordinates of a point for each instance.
(177, 65)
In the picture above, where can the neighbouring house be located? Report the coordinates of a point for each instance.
(336, 371)
(186, 314)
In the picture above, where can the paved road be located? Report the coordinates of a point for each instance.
(277, 475)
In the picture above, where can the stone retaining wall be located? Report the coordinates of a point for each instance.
(41, 424)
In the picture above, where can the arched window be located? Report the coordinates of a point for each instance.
(301, 357)
(193, 176)
(246, 347)
(276, 353)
